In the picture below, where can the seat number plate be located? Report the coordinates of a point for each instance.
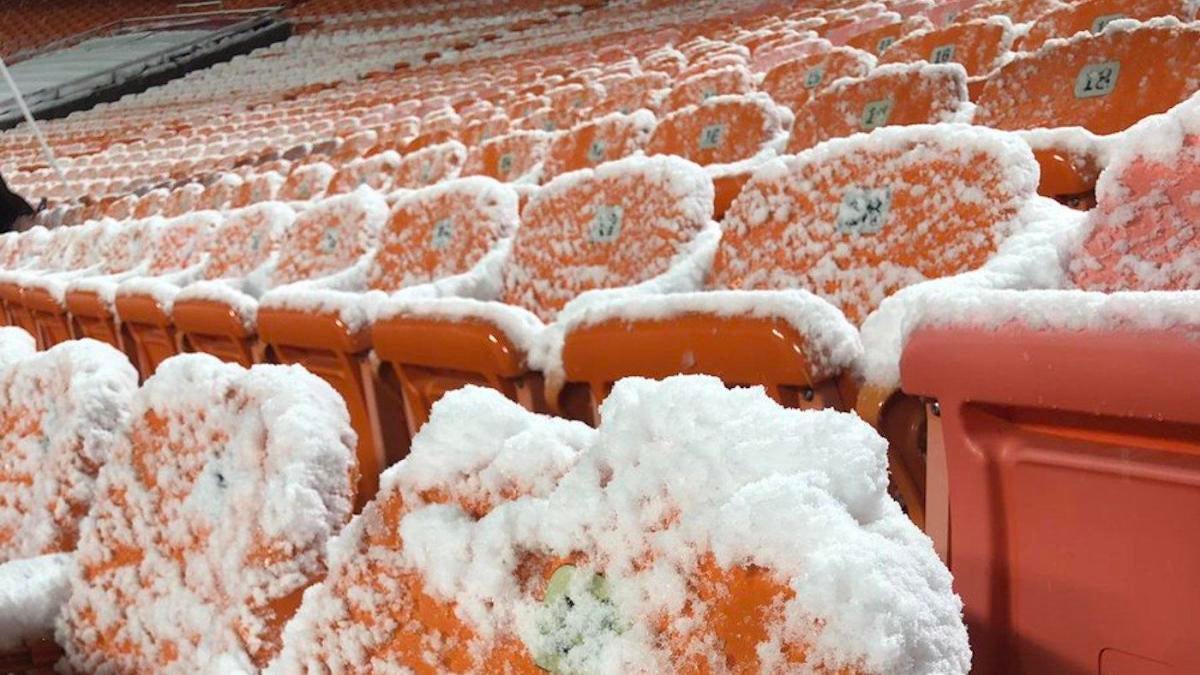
(876, 114)
(443, 232)
(864, 210)
(711, 136)
(1098, 79)
(606, 226)
(943, 54)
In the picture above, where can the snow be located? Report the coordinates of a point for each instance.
(162, 582)
(62, 411)
(32, 592)
(557, 265)
(1128, 264)
(15, 345)
(670, 488)
(449, 239)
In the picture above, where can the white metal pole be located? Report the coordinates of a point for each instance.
(37, 131)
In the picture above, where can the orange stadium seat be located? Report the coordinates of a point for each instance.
(431, 164)
(600, 140)
(1091, 16)
(306, 182)
(725, 134)
(1016, 11)
(1031, 444)
(577, 234)
(792, 83)
(978, 46)
(515, 157)
(58, 421)
(437, 240)
(695, 89)
(626, 93)
(1095, 82)
(854, 221)
(601, 530)
(210, 444)
(892, 95)
(375, 171)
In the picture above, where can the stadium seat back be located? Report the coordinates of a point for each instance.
(329, 236)
(441, 231)
(181, 242)
(258, 187)
(430, 165)
(1092, 16)
(617, 225)
(375, 171)
(857, 219)
(182, 200)
(892, 95)
(513, 157)
(479, 130)
(721, 130)
(221, 192)
(1016, 11)
(151, 203)
(695, 89)
(976, 45)
(793, 82)
(627, 93)
(60, 411)
(210, 444)
(248, 237)
(1143, 235)
(309, 181)
(1095, 81)
(601, 140)
(126, 246)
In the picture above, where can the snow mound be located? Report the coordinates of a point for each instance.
(163, 582)
(61, 412)
(653, 527)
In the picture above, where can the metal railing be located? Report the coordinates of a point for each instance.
(258, 19)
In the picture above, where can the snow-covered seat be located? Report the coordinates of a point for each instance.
(81, 305)
(1094, 15)
(60, 411)
(479, 130)
(42, 296)
(182, 199)
(1060, 409)
(258, 187)
(178, 250)
(514, 157)
(449, 239)
(1095, 81)
(892, 95)
(220, 192)
(728, 135)
(375, 171)
(627, 93)
(42, 252)
(63, 410)
(979, 46)
(793, 82)
(638, 222)
(810, 248)
(209, 521)
(151, 203)
(269, 245)
(1016, 11)
(430, 164)
(306, 182)
(878, 35)
(695, 89)
(597, 141)
(510, 542)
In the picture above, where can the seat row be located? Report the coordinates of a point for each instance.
(205, 526)
(729, 132)
(455, 285)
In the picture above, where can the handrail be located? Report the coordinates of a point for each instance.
(39, 96)
(69, 40)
